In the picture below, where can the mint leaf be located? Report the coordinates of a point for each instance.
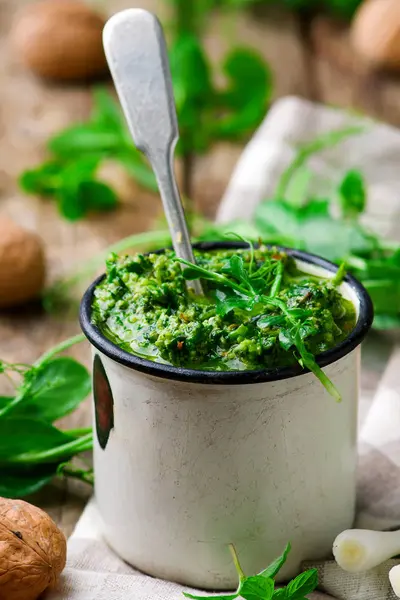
(98, 196)
(303, 584)
(352, 194)
(86, 139)
(256, 588)
(193, 92)
(273, 569)
(106, 110)
(42, 181)
(247, 95)
(280, 594)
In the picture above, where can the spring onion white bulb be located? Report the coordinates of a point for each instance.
(394, 578)
(358, 550)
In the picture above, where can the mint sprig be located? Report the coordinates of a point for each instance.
(262, 586)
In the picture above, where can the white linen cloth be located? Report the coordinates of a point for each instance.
(93, 571)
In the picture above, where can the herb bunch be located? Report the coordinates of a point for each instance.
(32, 449)
(262, 586)
(70, 176)
(206, 113)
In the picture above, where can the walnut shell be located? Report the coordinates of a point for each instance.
(375, 33)
(22, 264)
(60, 40)
(32, 551)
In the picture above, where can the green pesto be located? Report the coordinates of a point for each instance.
(257, 312)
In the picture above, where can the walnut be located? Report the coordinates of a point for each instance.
(22, 264)
(32, 551)
(375, 33)
(60, 40)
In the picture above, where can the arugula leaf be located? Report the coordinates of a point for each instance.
(352, 194)
(303, 584)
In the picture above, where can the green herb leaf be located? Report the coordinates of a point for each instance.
(21, 435)
(79, 193)
(228, 303)
(352, 194)
(273, 569)
(98, 196)
(54, 390)
(235, 268)
(305, 151)
(86, 139)
(4, 401)
(248, 94)
(280, 594)
(257, 588)
(44, 180)
(192, 90)
(303, 584)
(106, 110)
(20, 482)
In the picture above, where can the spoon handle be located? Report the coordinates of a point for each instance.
(137, 56)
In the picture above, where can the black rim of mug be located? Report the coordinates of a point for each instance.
(354, 339)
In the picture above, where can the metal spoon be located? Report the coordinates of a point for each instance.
(137, 56)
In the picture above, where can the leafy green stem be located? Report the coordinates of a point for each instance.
(24, 389)
(236, 562)
(52, 455)
(83, 475)
(319, 144)
(64, 345)
(79, 432)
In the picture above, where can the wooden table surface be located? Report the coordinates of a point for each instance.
(313, 61)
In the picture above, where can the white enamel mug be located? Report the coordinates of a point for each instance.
(187, 462)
